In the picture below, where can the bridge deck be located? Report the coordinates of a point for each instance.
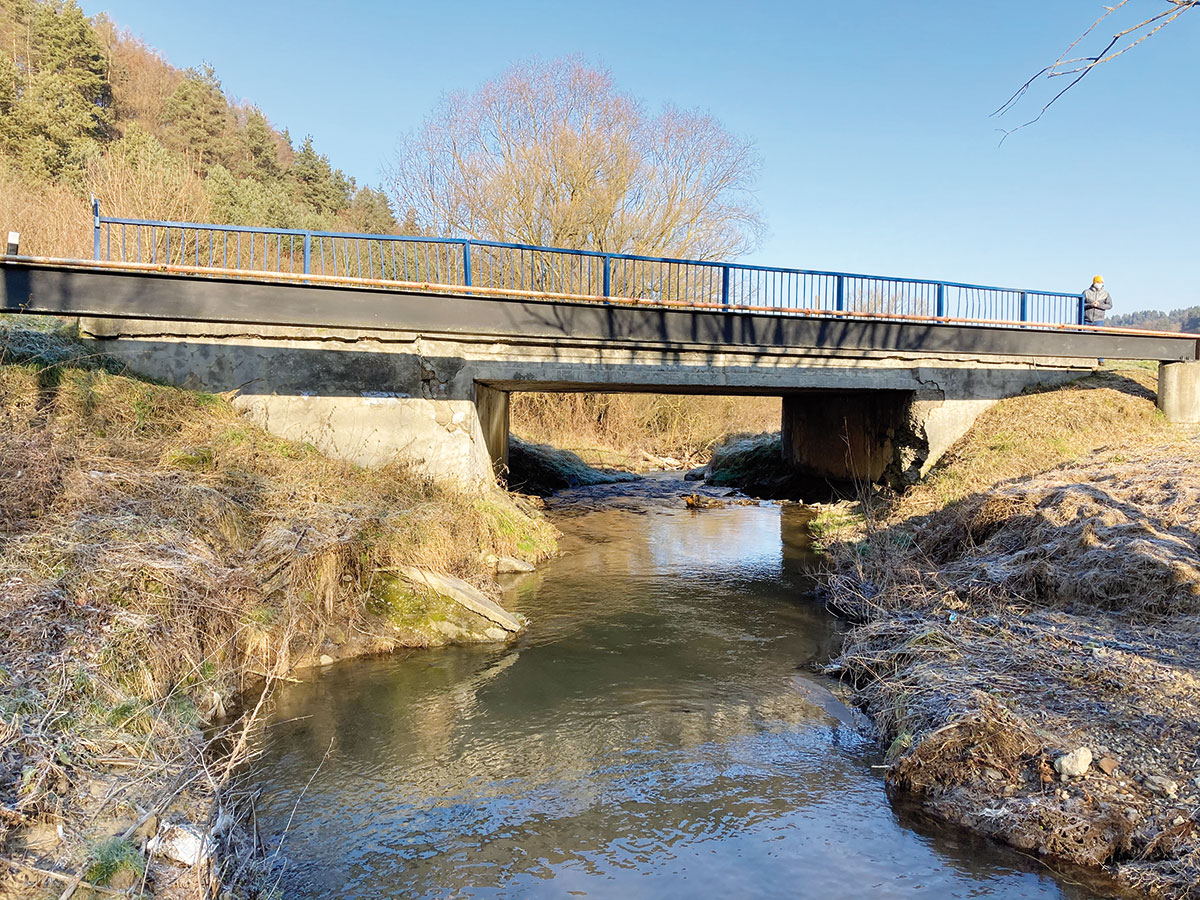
(185, 294)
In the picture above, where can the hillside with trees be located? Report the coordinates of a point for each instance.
(1187, 319)
(87, 109)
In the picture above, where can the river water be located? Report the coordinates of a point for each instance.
(657, 733)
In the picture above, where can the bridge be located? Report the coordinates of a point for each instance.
(374, 347)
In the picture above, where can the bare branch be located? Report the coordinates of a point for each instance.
(551, 153)
(1079, 67)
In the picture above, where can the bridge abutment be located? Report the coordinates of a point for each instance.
(883, 436)
(1179, 391)
(440, 403)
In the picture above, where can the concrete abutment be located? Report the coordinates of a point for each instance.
(891, 437)
(843, 435)
(1179, 391)
(441, 403)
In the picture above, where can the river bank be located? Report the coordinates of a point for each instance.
(660, 731)
(158, 558)
(1028, 631)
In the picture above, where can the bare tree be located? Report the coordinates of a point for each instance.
(551, 153)
(1075, 68)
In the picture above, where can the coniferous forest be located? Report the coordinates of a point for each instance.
(87, 109)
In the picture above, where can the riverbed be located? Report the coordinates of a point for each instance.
(659, 731)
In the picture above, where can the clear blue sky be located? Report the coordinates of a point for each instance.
(872, 118)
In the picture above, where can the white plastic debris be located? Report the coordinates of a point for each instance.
(183, 844)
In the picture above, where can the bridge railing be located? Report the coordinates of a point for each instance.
(515, 268)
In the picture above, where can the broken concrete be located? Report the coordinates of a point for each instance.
(464, 595)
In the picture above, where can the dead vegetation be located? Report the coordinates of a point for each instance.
(1057, 609)
(158, 557)
(622, 430)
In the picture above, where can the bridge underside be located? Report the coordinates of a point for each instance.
(443, 403)
(376, 375)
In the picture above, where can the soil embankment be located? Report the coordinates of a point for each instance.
(541, 470)
(751, 463)
(1029, 631)
(159, 557)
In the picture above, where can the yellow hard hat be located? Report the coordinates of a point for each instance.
(1099, 279)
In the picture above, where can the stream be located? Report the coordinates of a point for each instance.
(658, 732)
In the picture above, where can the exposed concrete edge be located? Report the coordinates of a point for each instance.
(464, 595)
(108, 328)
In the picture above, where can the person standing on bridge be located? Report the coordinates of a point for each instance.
(1096, 302)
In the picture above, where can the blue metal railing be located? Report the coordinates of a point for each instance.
(505, 267)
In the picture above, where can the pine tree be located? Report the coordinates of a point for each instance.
(196, 117)
(371, 213)
(56, 100)
(325, 189)
(259, 140)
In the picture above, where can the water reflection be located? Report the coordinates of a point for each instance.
(653, 736)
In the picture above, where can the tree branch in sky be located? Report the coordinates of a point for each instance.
(1076, 68)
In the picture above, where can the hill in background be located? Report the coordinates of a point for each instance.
(1176, 320)
(87, 109)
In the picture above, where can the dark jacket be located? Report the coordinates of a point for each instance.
(1096, 301)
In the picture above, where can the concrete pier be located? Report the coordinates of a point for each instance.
(1179, 391)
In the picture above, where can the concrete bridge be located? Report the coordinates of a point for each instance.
(371, 373)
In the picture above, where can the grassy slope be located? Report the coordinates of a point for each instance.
(1039, 593)
(157, 553)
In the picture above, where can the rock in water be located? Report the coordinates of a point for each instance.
(510, 565)
(1074, 764)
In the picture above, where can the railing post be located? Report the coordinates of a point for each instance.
(467, 263)
(840, 303)
(1024, 306)
(725, 285)
(941, 301)
(95, 228)
(308, 253)
(1082, 314)
(607, 276)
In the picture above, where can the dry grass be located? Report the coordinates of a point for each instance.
(52, 220)
(1059, 608)
(620, 429)
(158, 555)
(1103, 413)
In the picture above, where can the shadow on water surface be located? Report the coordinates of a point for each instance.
(653, 735)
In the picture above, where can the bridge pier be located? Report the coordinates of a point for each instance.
(1179, 391)
(844, 435)
(492, 409)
